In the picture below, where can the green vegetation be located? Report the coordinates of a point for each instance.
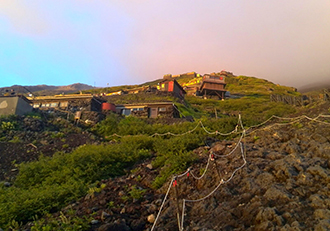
(253, 109)
(34, 115)
(7, 126)
(110, 89)
(136, 192)
(142, 97)
(49, 184)
(65, 223)
(255, 86)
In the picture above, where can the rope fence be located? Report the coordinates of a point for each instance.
(240, 144)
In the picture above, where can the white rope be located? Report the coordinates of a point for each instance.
(316, 119)
(189, 170)
(227, 134)
(292, 119)
(243, 151)
(240, 121)
(173, 134)
(208, 161)
(161, 207)
(295, 120)
(232, 175)
(277, 124)
(185, 133)
(214, 190)
(232, 151)
(182, 215)
(221, 182)
(207, 166)
(183, 174)
(219, 133)
(273, 116)
(168, 190)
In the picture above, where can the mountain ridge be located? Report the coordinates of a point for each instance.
(44, 89)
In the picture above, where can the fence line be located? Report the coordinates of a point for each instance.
(300, 100)
(245, 132)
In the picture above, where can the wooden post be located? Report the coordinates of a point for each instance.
(215, 112)
(177, 205)
(216, 167)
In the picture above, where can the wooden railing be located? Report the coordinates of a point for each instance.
(301, 100)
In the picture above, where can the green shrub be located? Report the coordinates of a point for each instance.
(136, 193)
(108, 126)
(8, 126)
(133, 126)
(57, 135)
(34, 115)
(15, 140)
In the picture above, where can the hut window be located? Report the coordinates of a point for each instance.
(36, 105)
(137, 109)
(54, 104)
(126, 112)
(162, 109)
(63, 104)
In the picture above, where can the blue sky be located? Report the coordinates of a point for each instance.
(97, 42)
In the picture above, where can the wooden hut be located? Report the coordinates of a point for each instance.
(149, 110)
(72, 102)
(213, 85)
(171, 85)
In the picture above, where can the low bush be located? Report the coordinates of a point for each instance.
(48, 184)
(8, 126)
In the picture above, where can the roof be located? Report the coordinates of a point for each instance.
(173, 80)
(214, 79)
(19, 96)
(57, 97)
(144, 104)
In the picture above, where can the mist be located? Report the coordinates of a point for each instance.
(119, 42)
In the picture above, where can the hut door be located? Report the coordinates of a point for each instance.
(170, 86)
(153, 113)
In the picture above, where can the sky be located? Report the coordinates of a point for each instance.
(123, 42)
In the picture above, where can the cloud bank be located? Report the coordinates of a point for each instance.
(130, 42)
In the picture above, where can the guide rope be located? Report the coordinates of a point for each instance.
(162, 205)
(222, 181)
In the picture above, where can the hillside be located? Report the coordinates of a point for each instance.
(241, 85)
(315, 87)
(263, 164)
(45, 89)
(282, 186)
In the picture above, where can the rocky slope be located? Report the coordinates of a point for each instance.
(284, 185)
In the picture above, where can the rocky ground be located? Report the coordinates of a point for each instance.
(283, 186)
